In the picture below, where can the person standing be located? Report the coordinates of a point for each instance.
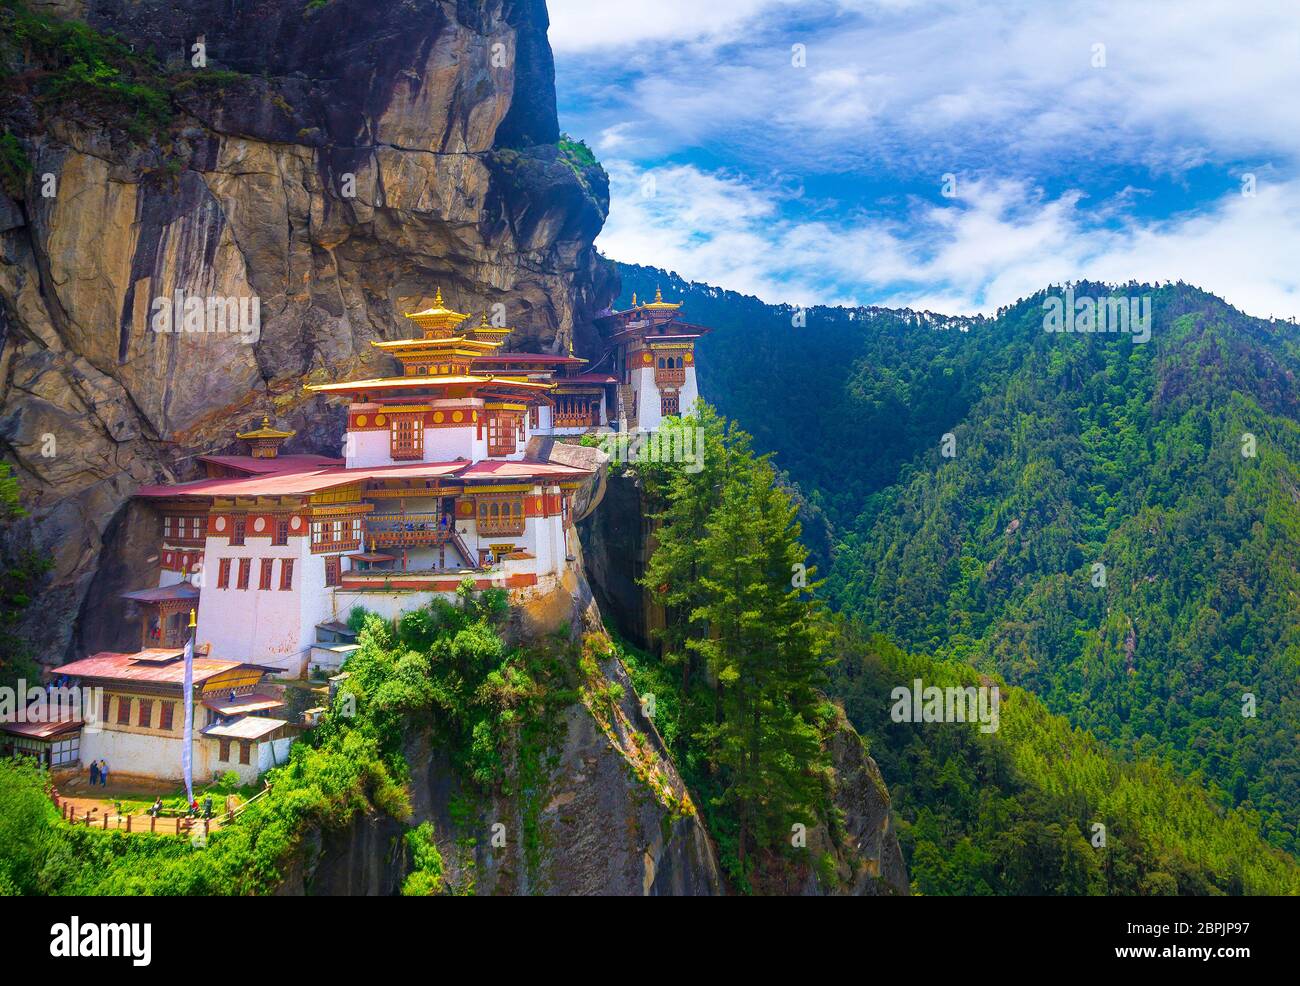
(103, 773)
(94, 772)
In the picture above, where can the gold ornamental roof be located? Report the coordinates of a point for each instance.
(266, 431)
(438, 320)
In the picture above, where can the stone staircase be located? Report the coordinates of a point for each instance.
(627, 409)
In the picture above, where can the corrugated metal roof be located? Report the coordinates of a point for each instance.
(243, 704)
(247, 728)
(161, 594)
(41, 730)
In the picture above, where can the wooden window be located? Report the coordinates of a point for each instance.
(167, 528)
(167, 714)
(668, 404)
(264, 579)
(336, 535)
(501, 434)
(534, 416)
(245, 751)
(237, 530)
(223, 573)
(146, 713)
(281, 531)
(245, 570)
(406, 439)
(198, 527)
(104, 702)
(332, 570)
(286, 574)
(501, 515)
(223, 750)
(123, 711)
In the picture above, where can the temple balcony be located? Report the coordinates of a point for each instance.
(670, 377)
(397, 530)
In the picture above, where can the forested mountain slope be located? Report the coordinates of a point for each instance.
(1117, 529)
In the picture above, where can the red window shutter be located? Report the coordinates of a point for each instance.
(264, 580)
(223, 573)
(245, 571)
(286, 574)
(168, 713)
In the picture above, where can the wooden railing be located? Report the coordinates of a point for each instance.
(507, 525)
(399, 529)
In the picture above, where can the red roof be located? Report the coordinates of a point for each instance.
(499, 469)
(41, 730)
(586, 378)
(288, 484)
(275, 484)
(150, 665)
(408, 470)
(281, 463)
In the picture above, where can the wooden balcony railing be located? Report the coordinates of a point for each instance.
(394, 530)
(500, 525)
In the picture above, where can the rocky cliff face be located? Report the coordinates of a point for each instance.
(337, 162)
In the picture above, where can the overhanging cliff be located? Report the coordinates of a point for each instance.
(336, 161)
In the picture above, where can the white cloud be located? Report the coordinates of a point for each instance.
(587, 25)
(943, 85)
(998, 241)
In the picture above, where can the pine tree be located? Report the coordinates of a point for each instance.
(689, 499)
(764, 651)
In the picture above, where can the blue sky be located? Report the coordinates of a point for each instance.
(1085, 139)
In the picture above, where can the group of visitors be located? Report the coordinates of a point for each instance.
(98, 773)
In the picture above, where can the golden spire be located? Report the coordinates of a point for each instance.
(438, 321)
(264, 442)
(633, 299)
(660, 305)
(265, 432)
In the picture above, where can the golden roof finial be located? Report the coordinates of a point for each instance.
(570, 344)
(659, 295)
(266, 421)
(437, 297)
(633, 299)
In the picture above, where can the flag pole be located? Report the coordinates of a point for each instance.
(187, 749)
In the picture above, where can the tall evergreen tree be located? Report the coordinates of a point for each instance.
(763, 650)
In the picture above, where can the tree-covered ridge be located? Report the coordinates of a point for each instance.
(1017, 811)
(1071, 451)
